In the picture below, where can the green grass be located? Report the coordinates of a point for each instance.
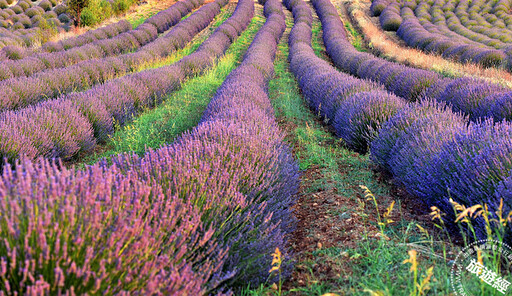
(355, 37)
(140, 19)
(183, 109)
(316, 40)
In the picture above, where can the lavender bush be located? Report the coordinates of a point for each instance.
(390, 18)
(480, 154)
(471, 96)
(378, 6)
(359, 117)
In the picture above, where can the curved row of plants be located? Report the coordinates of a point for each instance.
(433, 18)
(74, 123)
(122, 43)
(466, 20)
(478, 22)
(445, 35)
(474, 97)
(21, 92)
(106, 32)
(195, 217)
(435, 153)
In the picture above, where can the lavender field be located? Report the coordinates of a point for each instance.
(250, 147)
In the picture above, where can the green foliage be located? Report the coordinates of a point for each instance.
(96, 12)
(121, 6)
(76, 7)
(99, 10)
(356, 38)
(48, 30)
(88, 17)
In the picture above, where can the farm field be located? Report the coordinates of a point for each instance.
(243, 147)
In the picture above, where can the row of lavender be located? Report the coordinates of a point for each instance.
(473, 97)
(192, 218)
(446, 36)
(73, 123)
(122, 43)
(18, 52)
(106, 32)
(21, 92)
(24, 37)
(434, 153)
(13, 52)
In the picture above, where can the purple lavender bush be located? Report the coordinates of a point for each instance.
(471, 96)
(378, 6)
(419, 143)
(84, 248)
(359, 117)
(390, 18)
(382, 147)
